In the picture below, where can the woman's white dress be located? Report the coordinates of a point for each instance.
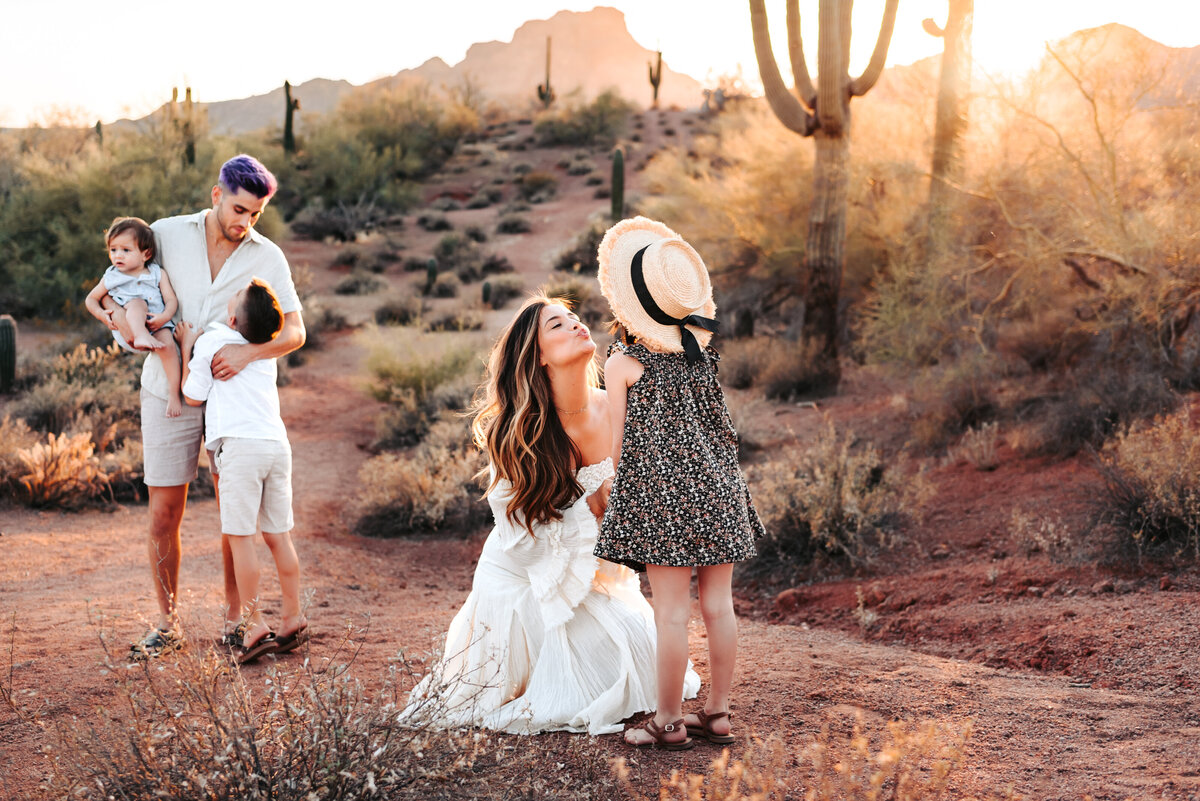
(550, 638)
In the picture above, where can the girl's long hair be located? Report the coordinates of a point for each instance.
(517, 425)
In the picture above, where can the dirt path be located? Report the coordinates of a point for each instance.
(69, 578)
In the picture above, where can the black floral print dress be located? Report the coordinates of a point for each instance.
(679, 497)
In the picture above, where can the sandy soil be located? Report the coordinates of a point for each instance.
(1079, 680)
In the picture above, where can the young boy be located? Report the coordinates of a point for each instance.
(144, 299)
(250, 449)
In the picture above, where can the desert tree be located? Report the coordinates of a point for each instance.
(954, 89)
(822, 112)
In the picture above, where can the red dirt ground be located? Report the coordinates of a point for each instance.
(1080, 680)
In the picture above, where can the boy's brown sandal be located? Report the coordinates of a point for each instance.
(652, 728)
(705, 728)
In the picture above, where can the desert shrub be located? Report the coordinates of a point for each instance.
(413, 264)
(203, 730)
(475, 233)
(85, 389)
(447, 285)
(62, 472)
(495, 264)
(1151, 490)
(15, 437)
(742, 360)
(581, 168)
(455, 320)
(445, 203)
(538, 186)
(978, 447)
(952, 399)
(459, 255)
(792, 370)
(912, 762)
(359, 283)
(597, 123)
(503, 289)
(513, 224)
(832, 501)
(581, 255)
(480, 200)
(1047, 535)
(433, 489)
(522, 168)
(407, 374)
(400, 311)
(584, 298)
(431, 221)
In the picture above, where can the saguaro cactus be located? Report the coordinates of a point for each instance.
(291, 106)
(656, 78)
(487, 293)
(431, 274)
(618, 185)
(99, 133)
(545, 91)
(8, 353)
(952, 103)
(188, 127)
(822, 112)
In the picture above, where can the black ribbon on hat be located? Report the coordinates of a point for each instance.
(691, 347)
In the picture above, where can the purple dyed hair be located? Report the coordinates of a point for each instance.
(247, 172)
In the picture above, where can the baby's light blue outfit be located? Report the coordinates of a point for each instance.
(123, 288)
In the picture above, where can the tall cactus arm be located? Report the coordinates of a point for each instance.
(861, 85)
(786, 106)
(831, 76)
(804, 84)
(932, 28)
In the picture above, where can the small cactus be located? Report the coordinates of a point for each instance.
(487, 292)
(291, 106)
(656, 78)
(618, 185)
(431, 274)
(189, 128)
(8, 353)
(545, 92)
(99, 133)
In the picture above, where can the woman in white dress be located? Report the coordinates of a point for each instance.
(550, 638)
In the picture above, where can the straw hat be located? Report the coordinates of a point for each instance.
(665, 301)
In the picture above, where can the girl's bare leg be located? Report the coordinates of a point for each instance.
(672, 607)
(720, 623)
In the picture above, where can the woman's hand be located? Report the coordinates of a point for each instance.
(598, 500)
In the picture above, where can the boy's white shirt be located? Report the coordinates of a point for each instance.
(183, 255)
(246, 405)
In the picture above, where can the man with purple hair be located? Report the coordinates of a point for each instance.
(209, 256)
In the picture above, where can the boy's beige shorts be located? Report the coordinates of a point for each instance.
(256, 485)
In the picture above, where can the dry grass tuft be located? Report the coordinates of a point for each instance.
(1152, 487)
(829, 499)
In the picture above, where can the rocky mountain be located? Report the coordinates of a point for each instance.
(591, 51)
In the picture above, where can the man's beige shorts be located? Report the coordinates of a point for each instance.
(170, 445)
(256, 486)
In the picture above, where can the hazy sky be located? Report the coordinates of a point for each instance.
(108, 60)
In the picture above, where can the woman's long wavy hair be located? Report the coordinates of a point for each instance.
(517, 425)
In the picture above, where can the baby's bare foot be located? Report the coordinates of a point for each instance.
(174, 406)
(148, 342)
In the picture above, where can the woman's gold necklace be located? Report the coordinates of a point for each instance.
(586, 406)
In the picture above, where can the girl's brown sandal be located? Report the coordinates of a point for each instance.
(705, 728)
(652, 728)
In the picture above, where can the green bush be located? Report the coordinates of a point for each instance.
(459, 255)
(597, 123)
(400, 311)
(359, 283)
(581, 255)
(504, 289)
(538, 186)
(513, 224)
(447, 285)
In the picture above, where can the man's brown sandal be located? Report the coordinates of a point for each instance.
(705, 728)
(652, 728)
